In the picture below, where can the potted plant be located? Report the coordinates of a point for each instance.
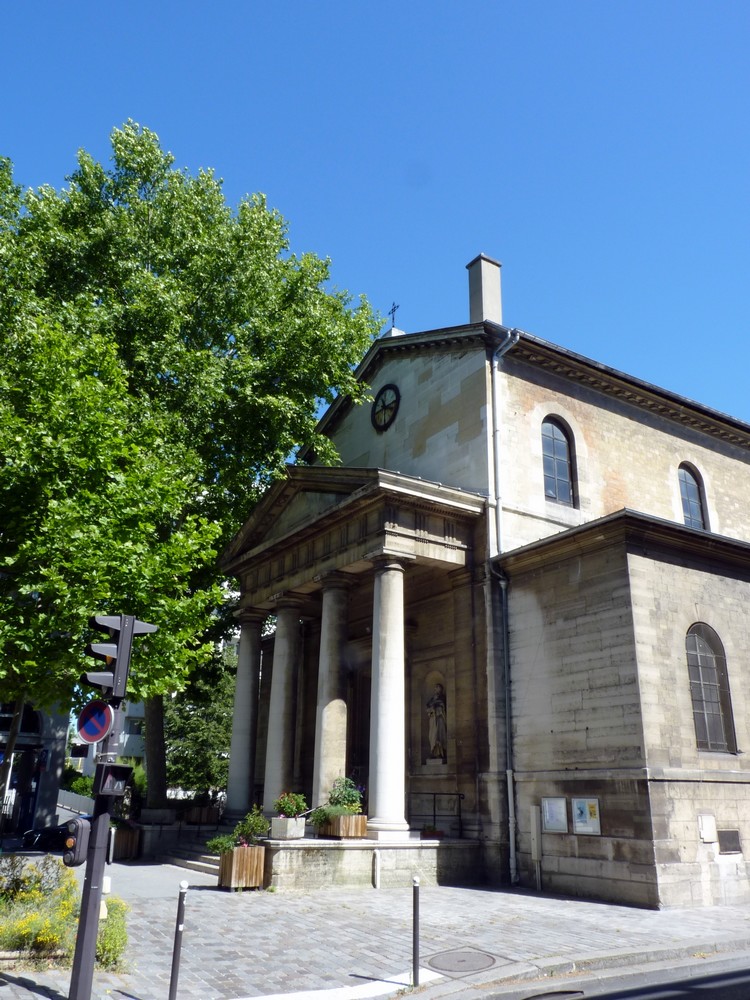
(241, 857)
(290, 823)
(342, 815)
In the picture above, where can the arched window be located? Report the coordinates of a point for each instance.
(557, 455)
(709, 690)
(693, 508)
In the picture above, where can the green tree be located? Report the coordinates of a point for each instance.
(162, 356)
(198, 729)
(84, 509)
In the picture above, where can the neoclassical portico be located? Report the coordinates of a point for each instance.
(338, 548)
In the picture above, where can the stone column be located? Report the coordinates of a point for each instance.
(281, 715)
(245, 716)
(387, 715)
(331, 718)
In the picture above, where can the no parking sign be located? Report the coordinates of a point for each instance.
(95, 721)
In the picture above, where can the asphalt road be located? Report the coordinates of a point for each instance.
(717, 979)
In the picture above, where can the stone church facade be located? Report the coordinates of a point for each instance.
(517, 612)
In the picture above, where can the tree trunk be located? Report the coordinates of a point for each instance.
(15, 728)
(156, 757)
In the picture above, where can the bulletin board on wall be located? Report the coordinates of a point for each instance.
(585, 812)
(554, 815)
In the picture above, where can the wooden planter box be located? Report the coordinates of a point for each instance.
(349, 825)
(287, 827)
(203, 815)
(126, 844)
(242, 868)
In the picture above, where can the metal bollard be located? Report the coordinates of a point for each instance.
(178, 941)
(415, 932)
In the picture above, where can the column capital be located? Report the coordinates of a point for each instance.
(334, 580)
(382, 561)
(250, 616)
(287, 599)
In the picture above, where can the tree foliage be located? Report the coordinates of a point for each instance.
(162, 356)
(198, 733)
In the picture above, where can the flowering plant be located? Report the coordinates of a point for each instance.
(247, 832)
(347, 795)
(290, 804)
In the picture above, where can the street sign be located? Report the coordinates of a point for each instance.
(95, 721)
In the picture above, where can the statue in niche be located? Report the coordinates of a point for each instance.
(437, 724)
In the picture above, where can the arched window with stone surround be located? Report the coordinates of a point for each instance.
(558, 462)
(693, 500)
(709, 690)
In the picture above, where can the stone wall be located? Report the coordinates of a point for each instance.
(575, 695)
(624, 457)
(695, 793)
(602, 711)
(321, 864)
(689, 815)
(440, 432)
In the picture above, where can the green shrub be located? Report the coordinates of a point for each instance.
(324, 814)
(83, 785)
(319, 817)
(248, 831)
(12, 877)
(139, 779)
(38, 904)
(221, 843)
(112, 937)
(69, 775)
(346, 794)
(254, 826)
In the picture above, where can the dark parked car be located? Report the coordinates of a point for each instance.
(47, 838)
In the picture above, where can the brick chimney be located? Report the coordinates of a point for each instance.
(485, 295)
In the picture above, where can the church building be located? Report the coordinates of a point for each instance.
(518, 613)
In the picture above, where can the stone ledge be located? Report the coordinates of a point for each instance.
(321, 864)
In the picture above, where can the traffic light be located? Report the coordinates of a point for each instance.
(112, 779)
(115, 654)
(76, 842)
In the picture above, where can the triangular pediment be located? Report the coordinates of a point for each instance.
(309, 498)
(302, 496)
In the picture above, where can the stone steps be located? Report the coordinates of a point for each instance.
(192, 858)
(190, 852)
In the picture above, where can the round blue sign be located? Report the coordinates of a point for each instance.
(95, 721)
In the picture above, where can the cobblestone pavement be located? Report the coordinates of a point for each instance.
(358, 943)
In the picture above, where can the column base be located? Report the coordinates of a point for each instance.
(393, 832)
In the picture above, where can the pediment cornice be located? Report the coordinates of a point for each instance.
(559, 361)
(349, 494)
(576, 368)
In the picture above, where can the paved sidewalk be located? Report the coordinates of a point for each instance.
(356, 944)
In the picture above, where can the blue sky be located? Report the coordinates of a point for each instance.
(600, 150)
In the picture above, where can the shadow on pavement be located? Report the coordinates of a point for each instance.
(28, 984)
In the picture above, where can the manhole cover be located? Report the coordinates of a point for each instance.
(461, 961)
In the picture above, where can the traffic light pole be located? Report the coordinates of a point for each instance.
(106, 781)
(82, 976)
